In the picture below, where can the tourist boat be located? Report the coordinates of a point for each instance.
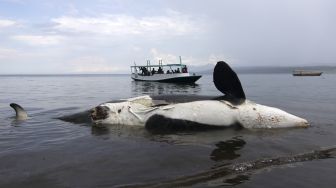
(173, 73)
(306, 73)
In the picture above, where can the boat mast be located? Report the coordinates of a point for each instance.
(148, 65)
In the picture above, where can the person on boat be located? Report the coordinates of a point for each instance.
(184, 69)
(142, 70)
(168, 72)
(160, 71)
(178, 70)
(147, 72)
(153, 71)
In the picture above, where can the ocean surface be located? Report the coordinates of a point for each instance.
(44, 151)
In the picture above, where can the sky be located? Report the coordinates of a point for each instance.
(107, 36)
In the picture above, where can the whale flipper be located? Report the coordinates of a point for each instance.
(227, 82)
(21, 114)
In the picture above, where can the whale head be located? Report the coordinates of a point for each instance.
(252, 115)
(126, 112)
(110, 113)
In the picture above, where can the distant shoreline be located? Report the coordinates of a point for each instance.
(207, 69)
(277, 70)
(60, 75)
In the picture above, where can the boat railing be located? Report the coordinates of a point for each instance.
(155, 73)
(149, 70)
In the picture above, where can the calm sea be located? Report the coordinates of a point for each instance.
(47, 152)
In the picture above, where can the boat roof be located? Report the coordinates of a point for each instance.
(167, 65)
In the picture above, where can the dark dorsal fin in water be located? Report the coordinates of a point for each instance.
(227, 82)
(21, 114)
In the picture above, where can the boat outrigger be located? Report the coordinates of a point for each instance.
(173, 73)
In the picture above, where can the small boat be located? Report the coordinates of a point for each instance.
(171, 73)
(306, 73)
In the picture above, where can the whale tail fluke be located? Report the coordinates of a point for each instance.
(21, 114)
(227, 82)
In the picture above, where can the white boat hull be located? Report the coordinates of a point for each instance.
(176, 78)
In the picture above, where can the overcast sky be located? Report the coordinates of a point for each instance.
(107, 36)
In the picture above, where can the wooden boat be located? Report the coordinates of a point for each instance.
(172, 73)
(306, 73)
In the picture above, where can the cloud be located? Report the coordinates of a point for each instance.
(190, 60)
(168, 58)
(6, 53)
(92, 64)
(6, 23)
(38, 40)
(214, 58)
(20, 55)
(14, 1)
(172, 24)
(165, 57)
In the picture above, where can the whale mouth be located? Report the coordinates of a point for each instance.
(99, 113)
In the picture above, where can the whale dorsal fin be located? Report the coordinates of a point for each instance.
(21, 114)
(227, 82)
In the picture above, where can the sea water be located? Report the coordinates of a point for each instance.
(44, 151)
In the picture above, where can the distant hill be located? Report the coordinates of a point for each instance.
(208, 69)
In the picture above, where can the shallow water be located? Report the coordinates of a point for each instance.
(46, 152)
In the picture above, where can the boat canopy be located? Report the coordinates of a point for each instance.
(166, 65)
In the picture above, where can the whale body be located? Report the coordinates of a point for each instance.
(142, 111)
(231, 109)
